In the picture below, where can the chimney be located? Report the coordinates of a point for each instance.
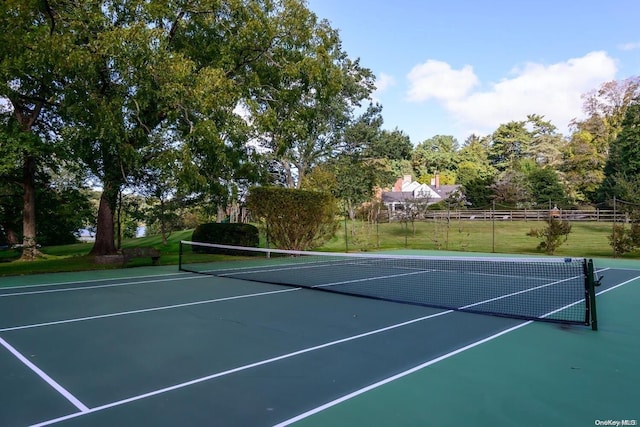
(398, 185)
(437, 181)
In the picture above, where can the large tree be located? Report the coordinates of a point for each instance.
(589, 147)
(605, 108)
(438, 154)
(474, 164)
(364, 166)
(306, 93)
(112, 102)
(623, 165)
(511, 189)
(546, 188)
(509, 143)
(582, 166)
(163, 75)
(392, 145)
(546, 144)
(32, 49)
(127, 75)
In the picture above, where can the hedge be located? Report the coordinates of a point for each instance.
(294, 219)
(227, 234)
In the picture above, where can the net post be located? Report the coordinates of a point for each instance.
(590, 290)
(180, 256)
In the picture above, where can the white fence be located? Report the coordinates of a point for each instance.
(595, 215)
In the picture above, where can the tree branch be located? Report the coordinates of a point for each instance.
(51, 14)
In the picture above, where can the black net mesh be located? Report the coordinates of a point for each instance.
(548, 289)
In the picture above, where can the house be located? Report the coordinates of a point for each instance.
(406, 191)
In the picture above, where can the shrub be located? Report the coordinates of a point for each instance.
(624, 240)
(554, 235)
(295, 219)
(227, 234)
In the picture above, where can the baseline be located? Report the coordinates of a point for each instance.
(420, 367)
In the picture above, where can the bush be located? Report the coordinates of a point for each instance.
(554, 235)
(227, 234)
(624, 240)
(295, 219)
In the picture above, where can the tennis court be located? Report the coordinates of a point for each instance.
(155, 346)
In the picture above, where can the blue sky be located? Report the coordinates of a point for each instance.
(456, 67)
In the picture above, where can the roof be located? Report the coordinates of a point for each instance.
(445, 191)
(416, 191)
(396, 196)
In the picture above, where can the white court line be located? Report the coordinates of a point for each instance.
(604, 291)
(278, 267)
(88, 281)
(582, 300)
(111, 285)
(263, 362)
(285, 356)
(422, 366)
(397, 376)
(508, 276)
(70, 397)
(369, 279)
(518, 293)
(322, 264)
(167, 307)
(243, 368)
(143, 310)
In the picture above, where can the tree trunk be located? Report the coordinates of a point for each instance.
(29, 248)
(302, 171)
(104, 243)
(288, 174)
(163, 228)
(221, 215)
(10, 234)
(119, 222)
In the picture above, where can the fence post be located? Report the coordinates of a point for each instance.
(493, 227)
(346, 233)
(613, 232)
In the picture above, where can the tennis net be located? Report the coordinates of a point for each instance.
(547, 289)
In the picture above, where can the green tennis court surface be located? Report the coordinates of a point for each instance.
(152, 346)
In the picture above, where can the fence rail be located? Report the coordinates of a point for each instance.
(597, 215)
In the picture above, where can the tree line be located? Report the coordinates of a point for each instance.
(188, 104)
(171, 99)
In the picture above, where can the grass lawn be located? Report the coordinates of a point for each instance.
(75, 257)
(587, 239)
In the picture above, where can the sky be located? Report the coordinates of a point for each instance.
(459, 67)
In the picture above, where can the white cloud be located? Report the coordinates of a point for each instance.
(436, 79)
(629, 46)
(553, 91)
(384, 81)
